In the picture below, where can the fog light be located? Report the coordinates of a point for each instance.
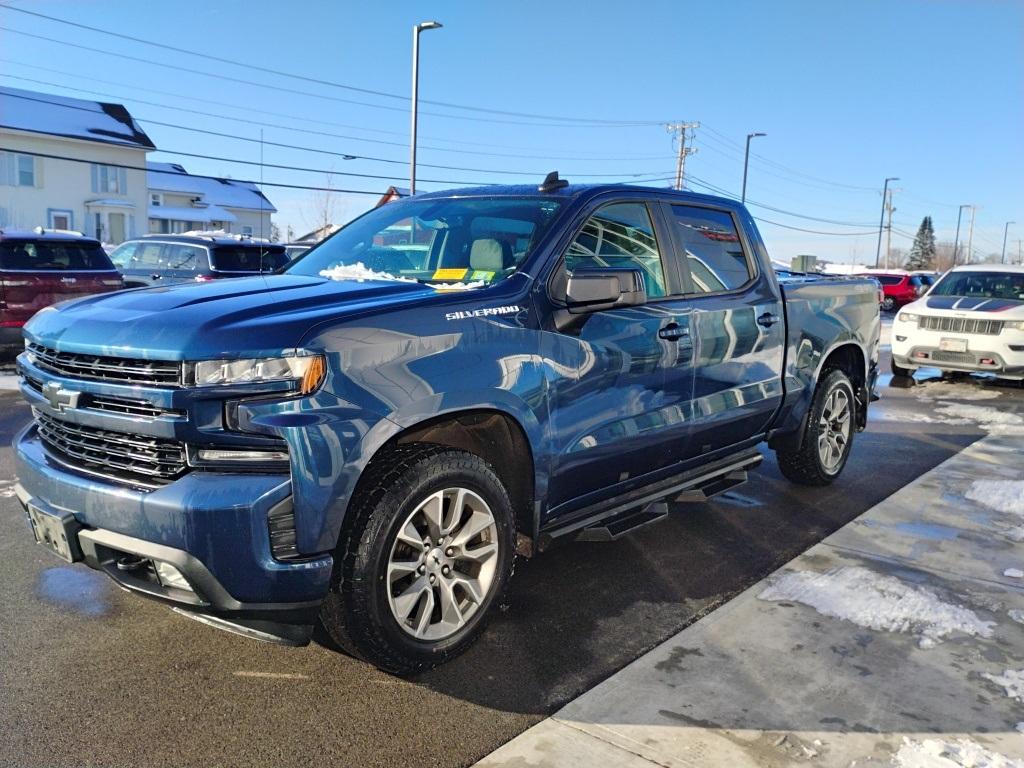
(219, 454)
(922, 355)
(987, 361)
(171, 577)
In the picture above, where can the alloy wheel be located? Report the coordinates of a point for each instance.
(834, 428)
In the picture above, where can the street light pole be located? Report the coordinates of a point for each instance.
(956, 240)
(746, 162)
(415, 97)
(881, 221)
(1006, 231)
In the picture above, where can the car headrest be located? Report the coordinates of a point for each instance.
(487, 255)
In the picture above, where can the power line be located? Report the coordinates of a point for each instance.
(321, 81)
(333, 153)
(310, 131)
(311, 94)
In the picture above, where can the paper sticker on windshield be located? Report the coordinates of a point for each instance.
(450, 274)
(481, 274)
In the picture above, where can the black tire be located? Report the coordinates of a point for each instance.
(357, 613)
(899, 370)
(805, 465)
(888, 304)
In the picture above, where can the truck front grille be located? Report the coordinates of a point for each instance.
(961, 325)
(124, 370)
(138, 460)
(121, 405)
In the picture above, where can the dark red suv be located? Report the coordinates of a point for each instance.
(40, 268)
(898, 288)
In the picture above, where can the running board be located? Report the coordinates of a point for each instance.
(619, 526)
(713, 487)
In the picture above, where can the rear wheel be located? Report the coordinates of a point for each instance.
(829, 435)
(429, 548)
(888, 304)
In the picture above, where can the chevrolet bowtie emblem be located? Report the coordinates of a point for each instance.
(60, 399)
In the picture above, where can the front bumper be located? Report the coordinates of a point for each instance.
(212, 527)
(1001, 354)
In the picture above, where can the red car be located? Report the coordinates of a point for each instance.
(42, 267)
(898, 288)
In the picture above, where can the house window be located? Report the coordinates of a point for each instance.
(18, 170)
(247, 231)
(155, 198)
(109, 179)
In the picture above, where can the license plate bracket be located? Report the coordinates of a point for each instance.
(57, 533)
(953, 345)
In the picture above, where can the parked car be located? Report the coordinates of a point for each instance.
(42, 267)
(162, 259)
(971, 320)
(371, 437)
(899, 288)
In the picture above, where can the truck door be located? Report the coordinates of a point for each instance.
(738, 328)
(613, 410)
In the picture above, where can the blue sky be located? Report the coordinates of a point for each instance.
(848, 93)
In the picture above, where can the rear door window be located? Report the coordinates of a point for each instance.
(56, 255)
(712, 249)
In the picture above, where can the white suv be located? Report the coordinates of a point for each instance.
(971, 320)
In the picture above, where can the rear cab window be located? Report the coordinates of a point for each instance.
(712, 249)
(53, 255)
(249, 258)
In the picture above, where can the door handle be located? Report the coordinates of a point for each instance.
(155, 276)
(673, 332)
(767, 320)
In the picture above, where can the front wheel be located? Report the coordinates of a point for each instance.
(888, 304)
(829, 435)
(429, 548)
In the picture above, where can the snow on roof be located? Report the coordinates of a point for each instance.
(172, 177)
(188, 213)
(72, 118)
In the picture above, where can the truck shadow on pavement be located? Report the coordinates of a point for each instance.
(580, 612)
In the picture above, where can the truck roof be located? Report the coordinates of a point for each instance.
(989, 268)
(572, 191)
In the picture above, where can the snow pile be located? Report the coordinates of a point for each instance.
(360, 273)
(1001, 495)
(1017, 615)
(874, 601)
(962, 753)
(944, 390)
(1012, 681)
(989, 419)
(1014, 573)
(457, 286)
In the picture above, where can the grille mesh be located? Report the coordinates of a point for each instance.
(120, 369)
(138, 459)
(961, 325)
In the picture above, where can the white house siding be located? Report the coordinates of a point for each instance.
(62, 185)
(260, 222)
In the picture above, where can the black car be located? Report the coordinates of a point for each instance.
(160, 259)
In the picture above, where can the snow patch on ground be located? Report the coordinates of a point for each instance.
(1011, 681)
(10, 383)
(360, 273)
(1014, 573)
(962, 753)
(1017, 615)
(879, 602)
(944, 390)
(1001, 495)
(990, 419)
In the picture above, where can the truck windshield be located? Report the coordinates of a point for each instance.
(982, 285)
(449, 242)
(53, 255)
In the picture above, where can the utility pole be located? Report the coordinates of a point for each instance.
(414, 114)
(1006, 231)
(746, 162)
(888, 228)
(881, 220)
(683, 132)
(970, 238)
(956, 240)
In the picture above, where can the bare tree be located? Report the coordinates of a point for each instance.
(322, 206)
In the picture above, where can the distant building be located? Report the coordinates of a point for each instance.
(314, 237)
(393, 193)
(91, 191)
(179, 202)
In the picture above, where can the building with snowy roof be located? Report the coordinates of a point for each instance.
(180, 202)
(71, 164)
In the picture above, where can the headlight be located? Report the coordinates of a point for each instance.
(1017, 325)
(307, 371)
(907, 317)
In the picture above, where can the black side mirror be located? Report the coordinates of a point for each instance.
(591, 289)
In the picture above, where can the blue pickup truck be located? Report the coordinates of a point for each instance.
(369, 438)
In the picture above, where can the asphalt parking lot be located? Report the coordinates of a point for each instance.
(92, 676)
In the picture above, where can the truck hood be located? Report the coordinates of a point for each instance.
(967, 306)
(253, 316)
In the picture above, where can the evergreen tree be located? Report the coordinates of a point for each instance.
(922, 253)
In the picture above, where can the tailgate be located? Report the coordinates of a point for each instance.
(25, 293)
